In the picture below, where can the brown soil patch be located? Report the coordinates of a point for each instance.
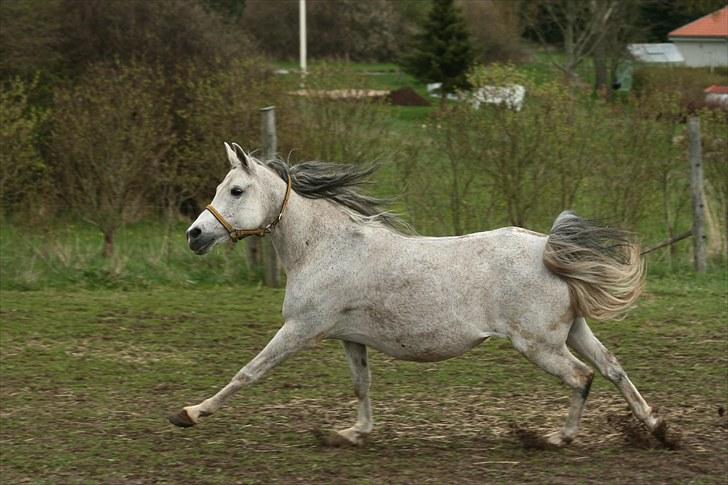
(406, 97)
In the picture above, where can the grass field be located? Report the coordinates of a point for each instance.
(94, 353)
(89, 376)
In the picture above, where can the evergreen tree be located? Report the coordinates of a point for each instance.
(441, 52)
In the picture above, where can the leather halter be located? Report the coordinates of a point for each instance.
(238, 234)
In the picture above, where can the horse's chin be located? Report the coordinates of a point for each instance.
(202, 249)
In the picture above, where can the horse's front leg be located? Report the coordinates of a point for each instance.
(356, 356)
(291, 338)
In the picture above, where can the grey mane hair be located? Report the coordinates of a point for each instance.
(339, 183)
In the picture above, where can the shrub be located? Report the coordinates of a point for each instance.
(218, 106)
(492, 166)
(111, 132)
(687, 83)
(531, 162)
(349, 29)
(714, 131)
(21, 165)
(316, 127)
(496, 28)
(63, 37)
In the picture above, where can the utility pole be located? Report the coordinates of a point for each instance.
(302, 34)
(695, 154)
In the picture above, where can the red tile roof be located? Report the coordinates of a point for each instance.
(715, 89)
(712, 25)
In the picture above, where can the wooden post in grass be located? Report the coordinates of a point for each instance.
(271, 273)
(695, 155)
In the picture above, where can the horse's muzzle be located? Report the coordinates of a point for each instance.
(198, 242)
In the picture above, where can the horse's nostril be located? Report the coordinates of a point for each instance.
(194, 232)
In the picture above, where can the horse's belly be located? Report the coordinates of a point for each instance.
(422, 343)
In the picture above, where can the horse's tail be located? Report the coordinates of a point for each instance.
(601, 265)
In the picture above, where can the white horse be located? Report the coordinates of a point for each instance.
(351, 276)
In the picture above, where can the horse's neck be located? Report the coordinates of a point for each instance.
(306, 225)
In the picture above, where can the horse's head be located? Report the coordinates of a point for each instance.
(243, 199)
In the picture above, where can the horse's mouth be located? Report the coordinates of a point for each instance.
(200, 249)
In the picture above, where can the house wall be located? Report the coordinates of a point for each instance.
(718, 100)
(703, 52)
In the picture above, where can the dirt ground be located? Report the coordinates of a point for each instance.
(87, 379)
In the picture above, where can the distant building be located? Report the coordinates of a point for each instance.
(717, 96)
(666, 53)
(704, 42)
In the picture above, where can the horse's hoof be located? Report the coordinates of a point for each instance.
(181, 419)
(333, 439)
(666, 436)
(531, 440)
(557, 440)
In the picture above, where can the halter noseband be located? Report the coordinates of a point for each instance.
(238, 234)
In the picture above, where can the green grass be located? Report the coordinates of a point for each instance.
(152, 254)
(148, 254)
(88, 376)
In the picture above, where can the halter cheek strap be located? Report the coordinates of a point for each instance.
(238, 234)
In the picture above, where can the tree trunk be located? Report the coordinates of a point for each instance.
(569, 47)
(108, 250)
(601, 70)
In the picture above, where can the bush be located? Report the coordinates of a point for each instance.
(349, 29)
(493, 166)
(111, 132)
(22, 168)
(64, 36)
(528, 165)
(218, 106)
(687, 83)
(316, 127)
(714, 131)
(496, 28)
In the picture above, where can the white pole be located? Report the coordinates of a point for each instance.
(302, 33)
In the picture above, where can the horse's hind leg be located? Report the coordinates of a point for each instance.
(356, 356)
(558, 361)
(582, 340)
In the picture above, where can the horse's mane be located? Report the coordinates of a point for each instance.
(339, 183)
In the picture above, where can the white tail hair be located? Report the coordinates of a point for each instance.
(601, 265)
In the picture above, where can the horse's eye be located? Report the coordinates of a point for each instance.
(236, 191)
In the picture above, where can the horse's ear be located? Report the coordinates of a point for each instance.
(244, 158)
(232, 156)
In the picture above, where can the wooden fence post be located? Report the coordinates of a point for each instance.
(271, 273)
(695, 154)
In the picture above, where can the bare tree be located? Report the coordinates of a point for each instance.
(583, 24)
(496, 27)
(351, 29)
(111, 131)
(611, 48)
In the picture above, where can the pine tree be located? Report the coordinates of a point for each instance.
(441, 52)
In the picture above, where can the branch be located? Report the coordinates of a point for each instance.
(668, 242)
